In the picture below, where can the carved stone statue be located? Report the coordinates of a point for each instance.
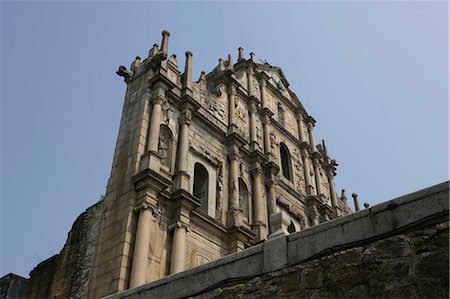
(163, 148)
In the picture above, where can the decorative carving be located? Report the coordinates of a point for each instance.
(242, 119)
(291, 123)
(212, 99)
(163, 148)
(255, 88)
(300, 180)
(273, 142)
(123, 72)
(196, 256)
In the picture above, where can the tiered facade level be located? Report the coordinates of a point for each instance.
(199, 168)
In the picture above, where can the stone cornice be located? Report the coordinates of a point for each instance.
(150, 178)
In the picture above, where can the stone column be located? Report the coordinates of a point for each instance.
(187, 77)
(141, 246)
(332, 190)
(271, 198)
(262, 85)
(311, 136)
(158, 99)
(253, 139)
(301, 134)
(258, 204)
(266, 121)
(231, 104)
(355, 201)
(165, 41)
(234, 210)
(182, 178)
(177, 259)
(249, 81)
(306, 168)
(183, 139)
(317, 176)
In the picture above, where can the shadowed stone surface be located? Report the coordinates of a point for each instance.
(411, 265)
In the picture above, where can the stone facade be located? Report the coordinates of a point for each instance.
(198, 170)
(200, 166)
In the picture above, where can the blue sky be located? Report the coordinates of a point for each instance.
(373, 74)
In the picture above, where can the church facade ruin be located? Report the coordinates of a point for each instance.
(199, 168)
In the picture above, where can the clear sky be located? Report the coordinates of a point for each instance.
(373, 74)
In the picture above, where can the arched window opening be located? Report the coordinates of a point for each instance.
(291, 228)
(165, 145)
(201, 185)
(285, 162)
(243, 199)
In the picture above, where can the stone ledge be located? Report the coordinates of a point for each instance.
(378, 221)
(370, 223)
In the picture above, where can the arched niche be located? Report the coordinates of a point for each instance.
(286, 164)
(244, 200)
(165, 146)
(201, 185)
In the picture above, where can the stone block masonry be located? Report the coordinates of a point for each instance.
(396, 249)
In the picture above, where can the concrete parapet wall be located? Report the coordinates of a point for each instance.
(387, 223)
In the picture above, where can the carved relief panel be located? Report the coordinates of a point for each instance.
(299, 177)
(242, 120)
(199, 250)
(259, 134)
(216, 103)
(325, 184)
(255, 88)
(290, 122)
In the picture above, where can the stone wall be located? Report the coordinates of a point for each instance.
(11, 286)
(409, 265)
(399, 248)
(67, 274)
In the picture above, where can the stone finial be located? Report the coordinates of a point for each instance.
(355, 201)
(221, 65)
(343, 195)
(252, 56)
(230, 61)
(187, 78)
(241, 53)
(325, 147)
(366, 205)
(165, 41)
(202, 77)
(135, 64)
(153, 50)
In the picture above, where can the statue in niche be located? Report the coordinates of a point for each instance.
(164, 145)
(163, 148)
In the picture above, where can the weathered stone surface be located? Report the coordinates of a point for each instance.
(12, 286)
(67, 274)
(388, 268)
